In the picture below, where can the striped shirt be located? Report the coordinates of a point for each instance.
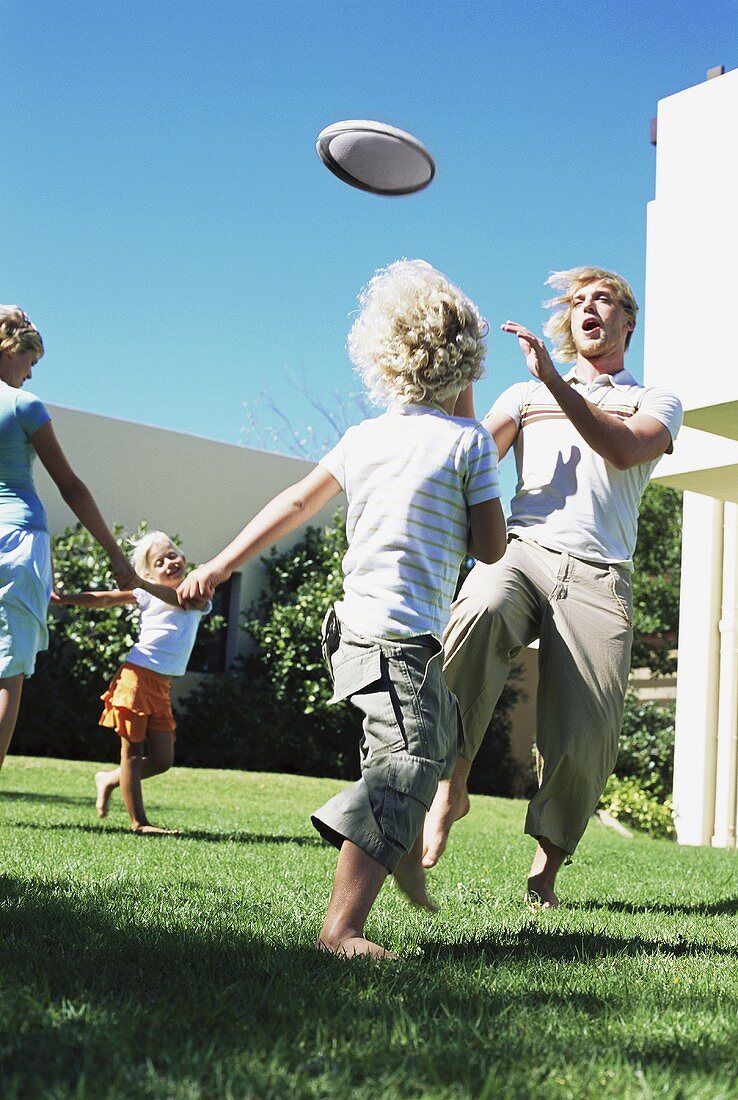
(410, 476)
(568, 497)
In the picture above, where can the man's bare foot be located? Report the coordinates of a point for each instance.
(104, 791)
(410, 878)
(353, 946)
(539, 895)
(450, 804)
(153, 830)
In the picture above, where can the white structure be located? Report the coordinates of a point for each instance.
(691, 348)
(199, 489)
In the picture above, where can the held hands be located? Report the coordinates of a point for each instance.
(538, 360)
(201, 583)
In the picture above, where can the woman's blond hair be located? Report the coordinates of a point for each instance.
(569, 283)
(417, 338)
(18, 333)
(142, 548)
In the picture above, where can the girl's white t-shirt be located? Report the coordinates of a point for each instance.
(167, 635)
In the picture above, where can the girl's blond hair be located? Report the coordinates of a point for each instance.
(141, 548)
(416, 338)
(18, 333)
(569, 283)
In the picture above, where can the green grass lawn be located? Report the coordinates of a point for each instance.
(183, 966)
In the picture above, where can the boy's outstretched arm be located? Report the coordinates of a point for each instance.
(487, 531)
(288, 510)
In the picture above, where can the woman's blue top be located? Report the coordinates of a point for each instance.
(21, 414)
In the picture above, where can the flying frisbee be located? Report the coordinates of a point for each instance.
(375, 157)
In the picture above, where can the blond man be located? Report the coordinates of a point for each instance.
(585, 444)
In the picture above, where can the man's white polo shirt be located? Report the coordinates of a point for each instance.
(567, 496)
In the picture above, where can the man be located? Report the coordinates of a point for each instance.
(585, 445)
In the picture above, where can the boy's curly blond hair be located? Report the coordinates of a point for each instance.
(569, 283)
(18, 333)
(417, 338)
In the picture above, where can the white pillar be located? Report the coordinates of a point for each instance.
(695, 749)
(726, 808)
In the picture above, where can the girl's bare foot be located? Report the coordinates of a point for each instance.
(153, 830)
(353, 946)
(104, 791)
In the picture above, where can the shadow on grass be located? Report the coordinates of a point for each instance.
(57, 799)
(204, 1005)
(103, 828)
(724, 907)
(571, 946)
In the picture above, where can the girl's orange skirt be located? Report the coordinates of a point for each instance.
(137, 700)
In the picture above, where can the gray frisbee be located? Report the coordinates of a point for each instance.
(376, 157)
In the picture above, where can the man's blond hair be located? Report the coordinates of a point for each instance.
(569, 283)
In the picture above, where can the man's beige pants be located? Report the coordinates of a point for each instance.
(582, 614)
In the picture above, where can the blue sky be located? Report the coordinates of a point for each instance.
(168, 225)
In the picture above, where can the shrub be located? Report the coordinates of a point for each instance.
(639, 791)
(647, 745)
(656, 576)
(630, 803)
(271, 713)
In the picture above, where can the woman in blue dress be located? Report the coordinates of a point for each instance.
(25, 547)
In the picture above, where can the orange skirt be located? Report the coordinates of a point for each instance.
(136, 701)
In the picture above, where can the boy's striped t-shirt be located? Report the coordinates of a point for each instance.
(410, 477)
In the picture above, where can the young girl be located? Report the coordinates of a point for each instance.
(137, 702)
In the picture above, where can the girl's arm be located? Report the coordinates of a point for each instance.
(114, 598)
(80, 500)
(288, 510)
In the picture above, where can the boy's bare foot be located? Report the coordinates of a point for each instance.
(104, 791)
(353, 946)
(153, 830)
(450, 804)
(539, 895)
(410, 878)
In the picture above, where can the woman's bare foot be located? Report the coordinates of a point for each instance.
(410, 878)
(539, 895)
(353, 946)
(153, 830)
(450, 804)
(104, 791)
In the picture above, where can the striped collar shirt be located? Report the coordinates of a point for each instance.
(567, 496)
